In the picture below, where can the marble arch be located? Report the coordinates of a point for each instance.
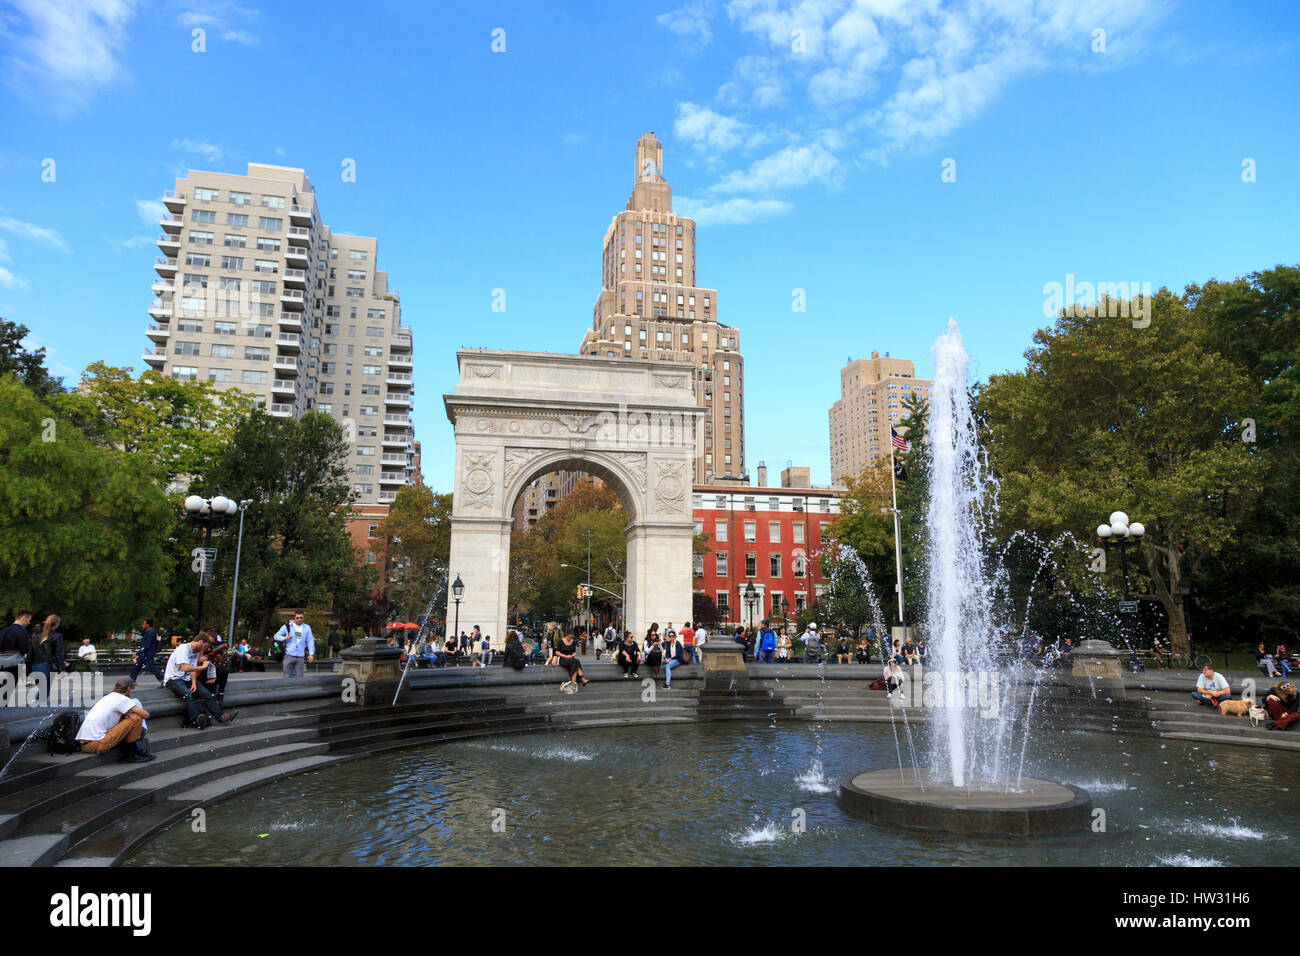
(635, 424)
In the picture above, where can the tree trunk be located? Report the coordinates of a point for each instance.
(1176, 633)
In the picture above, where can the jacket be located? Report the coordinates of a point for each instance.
(50, 652)
(676, 651)
(515, 656)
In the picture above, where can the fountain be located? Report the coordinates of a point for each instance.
(968, 788)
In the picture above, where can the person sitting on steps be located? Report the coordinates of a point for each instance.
(117, 720)
(1283, 706)
(185, 663)
(1211, 689)
(566, 656)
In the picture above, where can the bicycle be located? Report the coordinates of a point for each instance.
(1189, 661)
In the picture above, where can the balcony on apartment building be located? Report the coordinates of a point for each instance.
(168, 243)
(289, 342)
(290, 322)
(293, 298)
(295, 277)
(284, 386)
(400, 361)
(392, 478)
(298, 254)
(163, 287)
(397, 440)
(280, 410)
(156, 357)
(174, 201)
(398, 399)
(286, 364)
(399, 378)
(300, 215)
(171, 224)
(165, 265)
(159, 333)
(160, 309)
(402, 340)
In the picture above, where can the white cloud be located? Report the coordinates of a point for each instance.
(712, 131)
(27, 230)
(64, 51)
(11, 281)
(133, 242)
(728, 212)
(150, 211)
(691, 21)
(208, 151)
(223, 17)
(786, 168)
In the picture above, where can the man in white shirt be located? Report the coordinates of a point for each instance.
(299, 646)
(116, 720)
(1211, 689)
(86, 651)
(186, 664)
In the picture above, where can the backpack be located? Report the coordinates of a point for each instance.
(62, 735)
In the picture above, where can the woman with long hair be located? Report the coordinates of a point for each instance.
(47, 649)
(566, 656)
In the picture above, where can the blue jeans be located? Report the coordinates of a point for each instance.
(765, 657)
(1286, 668)
(668, 669)
(1207, 700)
(145, 661)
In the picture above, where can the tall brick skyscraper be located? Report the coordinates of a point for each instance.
(650, 307)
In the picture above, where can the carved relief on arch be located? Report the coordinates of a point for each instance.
(477, 483)
(670, 488)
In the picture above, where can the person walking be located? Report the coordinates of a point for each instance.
(674, 656)
(766, 643)
(145, 657)
(15, 644)
(299, 646)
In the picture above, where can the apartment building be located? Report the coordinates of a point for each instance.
(872, 392)
(650, 307)
(255, 292)
(769, 538)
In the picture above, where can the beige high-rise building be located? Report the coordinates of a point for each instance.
(650, 307)
(872, 393)
(255, 292)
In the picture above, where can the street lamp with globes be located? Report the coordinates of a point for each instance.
(1121, 533)
(209, 514)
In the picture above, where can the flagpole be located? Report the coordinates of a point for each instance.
(898, 540)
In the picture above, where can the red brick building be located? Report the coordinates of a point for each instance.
(770, 537)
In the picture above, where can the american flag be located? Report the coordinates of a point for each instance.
(899, 441)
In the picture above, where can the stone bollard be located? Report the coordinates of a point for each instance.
(724, 663)
(375, 667)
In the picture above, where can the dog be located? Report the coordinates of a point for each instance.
(1236, 708)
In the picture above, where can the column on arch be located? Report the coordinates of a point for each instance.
(480, 554)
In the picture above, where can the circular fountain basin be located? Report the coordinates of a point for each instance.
(1036, 808)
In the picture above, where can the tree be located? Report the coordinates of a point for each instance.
(589, 515)
(704, 611)
(1110, 416)
(845, 604)
(418, 533)
(177, 427)
(27, 367)
(297, 551)
(80, 526)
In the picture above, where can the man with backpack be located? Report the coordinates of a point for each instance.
(766, 643)
(116, 720)
(299, 646)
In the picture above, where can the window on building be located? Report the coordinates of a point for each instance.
(796, 533)
(751, 565)
(253, 378)
(185, 373)
(720, 565)
(724, 607)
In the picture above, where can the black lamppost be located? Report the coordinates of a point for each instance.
(208, 514)
(751, 596)
(457, 589)
(1120, 533)
(1185, 593)
(785, 612)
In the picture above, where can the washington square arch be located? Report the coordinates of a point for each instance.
(633, 424)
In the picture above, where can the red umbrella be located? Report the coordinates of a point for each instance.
(394, 627)
(411, 627)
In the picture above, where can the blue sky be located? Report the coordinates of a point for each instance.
(808, 139)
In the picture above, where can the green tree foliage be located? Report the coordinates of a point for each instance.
(80, 525)
(418, 534)
(27, 367)
(539, 585)
(177, 428)
(845, 604)
(1144, 420)
(297, 551)
(1255, 321)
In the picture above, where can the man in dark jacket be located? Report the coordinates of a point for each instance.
(144, 660)
(14, 639)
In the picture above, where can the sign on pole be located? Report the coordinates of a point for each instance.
(1128, 607)
(205, 559)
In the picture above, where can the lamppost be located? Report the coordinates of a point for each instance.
(785, 613)
(208, 514)
(457, 589)
(751, 596)
(1120, 533)
(239, 550)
